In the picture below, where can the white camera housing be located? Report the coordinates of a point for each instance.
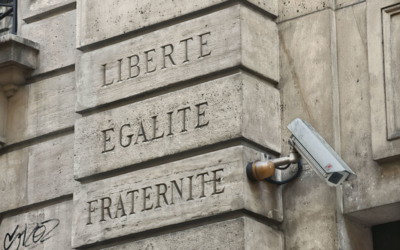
(317, 152)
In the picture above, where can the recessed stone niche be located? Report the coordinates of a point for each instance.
(18, 58)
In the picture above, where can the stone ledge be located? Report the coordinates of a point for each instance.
(18, 58)
(45, 10)
(237, 233)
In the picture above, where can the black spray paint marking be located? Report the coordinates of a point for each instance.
(39, 234)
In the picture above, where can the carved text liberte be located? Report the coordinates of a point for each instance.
(155, 59)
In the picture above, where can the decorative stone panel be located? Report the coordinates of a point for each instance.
(383, 24)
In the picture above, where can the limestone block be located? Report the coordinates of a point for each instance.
(41, 108)
(99, 20)
(57, 49)
(50, 169)
(289, 9)
(232, 37)
(37, 173)
(33, 9)
(204, 114)
(169, 194)
(310, 209)
(234, 234)
(307, 58)
(306, 72)
(13, 168)
(43, 228)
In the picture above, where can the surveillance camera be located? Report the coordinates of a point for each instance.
(311, 147)
(317, 152)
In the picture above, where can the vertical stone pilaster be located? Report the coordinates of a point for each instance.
(170, 107)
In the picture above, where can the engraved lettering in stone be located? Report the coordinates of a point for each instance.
(145, 198)
(90, 210)
(170, 123)
(120, 206)
(156, 58)
(165, 55)
(105, 207)
(119, 70)
(132, 200)
(122, 136)
(185, 42)
(203, 44)
(106, 140)
(141, 133)
(105, 83)
(201, 114)
(149, 58)
(215, 180)
(155, 128)
(178, 189)
(133, 66)
(161, 192)
(202, 183)
(183, 118)
(157, 196)
(190, 188)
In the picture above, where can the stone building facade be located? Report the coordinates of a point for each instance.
(128, 124)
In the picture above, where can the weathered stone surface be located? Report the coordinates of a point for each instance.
(15, 49)
(50, 169)
(306, 85)
(13, 168)
(57, 50)
(376, 184)
(358, 236)
(289, 9)
(172, 193)
(96, 21)
(240, 233)
(220, 40)
(193, 117)
(33, 8)
(316, 200)
(44, 228)
(345, 3)
(382, 102)
(307, 93)
(377, 215)
(3, 117)
(18, 58)
(41, 108)
(37, 173)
